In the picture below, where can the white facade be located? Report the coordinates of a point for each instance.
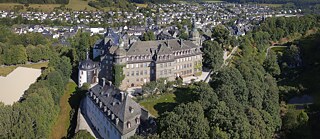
(100, 122)
(82, 77)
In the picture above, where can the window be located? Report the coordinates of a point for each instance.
(161, 72)
(141, 65)
(128, 125)
(141, 72)
(169, 64)
(145, 72)
(137, 65)
(152, 71)
(165, 72)
(137, 120)
(128, 66)
(128, 74)
(165, 65)
(141, 79)
(137, 80)
(161, 66)
(132, 73)
(145, 65)
(137, 73)
(131, 66)
(169, 71)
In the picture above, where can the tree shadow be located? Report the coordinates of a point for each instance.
(74, 102)
(184, 95)
(164, 107)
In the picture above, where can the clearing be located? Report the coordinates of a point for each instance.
(14, 85)
(5, 70)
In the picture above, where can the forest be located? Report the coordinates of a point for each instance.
(36, 113)
(247, 99)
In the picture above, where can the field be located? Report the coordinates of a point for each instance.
(75, 5)
(271, 5)
(14, 85)
(41, 7)
(60, 128)
(4, 71)
(141, 5)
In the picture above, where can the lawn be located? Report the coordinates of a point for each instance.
(159, 104)
(4, 71)
(150, 103)
(60, 128)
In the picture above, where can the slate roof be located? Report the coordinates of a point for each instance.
(119, 104)
(162, 46)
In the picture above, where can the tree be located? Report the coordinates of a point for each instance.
(185, 121)
(148, 36)
(149, 87)
(271, 64)
(220, 34)
(83, 134)
(213, 55)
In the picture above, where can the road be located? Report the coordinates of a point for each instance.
(268, 49)
(225, 63)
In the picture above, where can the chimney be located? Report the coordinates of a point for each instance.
(180, 40)
(103, 82)
(117, 121)
(122, 96)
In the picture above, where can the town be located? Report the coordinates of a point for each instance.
(163, 70)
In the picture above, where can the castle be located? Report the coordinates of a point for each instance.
(124, 62)
(144, 61)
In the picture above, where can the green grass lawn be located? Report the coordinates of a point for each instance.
(150, 103)
(4, 71)
(60, 128)
(159, 104)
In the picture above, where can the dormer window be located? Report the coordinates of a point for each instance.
(128, 125)
(137, 120)
(131, 109)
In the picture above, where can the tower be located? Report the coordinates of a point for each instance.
(88, 72)
(194, 34)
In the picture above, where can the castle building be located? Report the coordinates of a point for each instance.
(88, 72)
(144, 61)
(111, 113)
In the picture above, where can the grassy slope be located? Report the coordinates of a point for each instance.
(60, 128)
(4, 71)
(77, 5)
